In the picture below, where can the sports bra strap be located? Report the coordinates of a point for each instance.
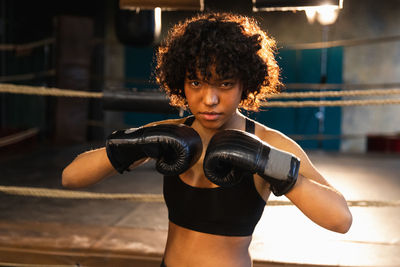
(250, 126)
(189, 120)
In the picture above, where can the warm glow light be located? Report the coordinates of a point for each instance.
(157, 22)
(311, 14)
(327, 14)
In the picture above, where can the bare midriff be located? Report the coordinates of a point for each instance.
(190, 248)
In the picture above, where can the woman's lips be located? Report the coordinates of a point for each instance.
(210, 116)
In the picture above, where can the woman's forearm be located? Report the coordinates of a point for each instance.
(88, 168)
(322, 204)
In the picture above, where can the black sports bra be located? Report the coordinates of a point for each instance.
(228, 211)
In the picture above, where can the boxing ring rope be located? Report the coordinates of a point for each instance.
(337, 93)
(344, 43)
(336, 86)
(28, 76)
(158, 198)
(333, 103)
(61, 193)
(18, 137)
(12, 264)
(160, 98)
(45, 91)
(299, 46)
(316, 45)
(27, 46)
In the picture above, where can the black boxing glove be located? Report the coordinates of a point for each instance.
(231, 153)
(175, 147)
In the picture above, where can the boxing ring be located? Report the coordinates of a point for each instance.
(122, 221)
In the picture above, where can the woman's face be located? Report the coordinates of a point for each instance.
(213, 102)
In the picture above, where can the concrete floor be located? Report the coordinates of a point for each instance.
(67, 232)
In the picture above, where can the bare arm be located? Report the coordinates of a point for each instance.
(312, 194)
(92, 166)
(322, 204)
(87, 168)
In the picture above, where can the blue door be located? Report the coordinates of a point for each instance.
(304, 66)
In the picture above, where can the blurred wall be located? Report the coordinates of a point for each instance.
(373, 63)
(362, 64)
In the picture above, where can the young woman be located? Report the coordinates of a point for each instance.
(215, 191)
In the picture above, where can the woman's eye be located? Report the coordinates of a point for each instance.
(227, 84)
(195, 83)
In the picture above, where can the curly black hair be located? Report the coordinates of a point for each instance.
(234, 44)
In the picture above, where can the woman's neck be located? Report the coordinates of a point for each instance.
(235, 122)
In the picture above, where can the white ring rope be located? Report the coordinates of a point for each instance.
(35, 90)
(60, 193)
(18, 137)
(13, 264)
(299, 46)
(27, 76)
(335, 103)
(27, 46)
(46, 91)
(337, 93)
(68, 194)
(345, 43)
(336, 86)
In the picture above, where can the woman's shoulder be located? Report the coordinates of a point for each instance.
(276, 138)
(268, 134)
(281, 141)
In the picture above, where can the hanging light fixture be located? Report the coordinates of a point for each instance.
(327, 14)
(324, 11)
(163, 4)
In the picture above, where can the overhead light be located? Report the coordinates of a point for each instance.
(292, 5)
(311, 14)
(325, 11)
(163, 4)
(327, 14)
(157, 23)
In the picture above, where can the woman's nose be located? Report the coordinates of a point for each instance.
(211, 97)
